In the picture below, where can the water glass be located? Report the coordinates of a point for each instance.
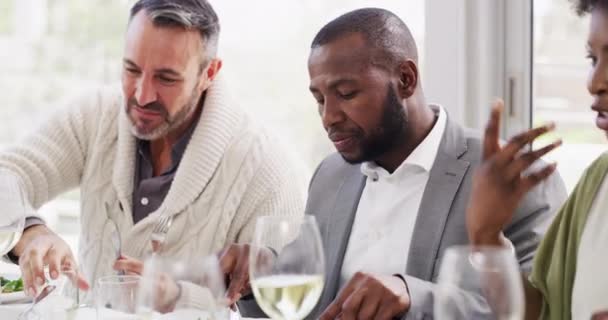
(190, 289)
(116, 297)
(479, 283)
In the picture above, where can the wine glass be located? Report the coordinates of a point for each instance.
(180, 289)
(12, 218)
(479, 282)
(287, 266)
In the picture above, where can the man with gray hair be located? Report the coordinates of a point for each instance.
(170, 151)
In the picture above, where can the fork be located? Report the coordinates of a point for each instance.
(159, 233)
(116, 238)
(30, 312)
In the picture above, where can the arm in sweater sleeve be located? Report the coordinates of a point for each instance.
(281, 194)
(275, 204)
(51, 159)
(277, 189)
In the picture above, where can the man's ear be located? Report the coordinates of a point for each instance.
(209, 73)
(408, 78)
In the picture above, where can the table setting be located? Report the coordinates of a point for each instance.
(123, 296)
(287, 274)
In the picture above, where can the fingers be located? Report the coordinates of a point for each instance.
(81, 282)
(369, 307)
(32, 266)
(167, 293)
(533, 179)
(239, 277)
(74, 276)
(386, 311)
(234, 262)
(45, 248)
(129, 265)
(227, 259)
(492, 134)
(367, 296)
(26, 275)
(331, 312)
(519, 141)
(524, 161)
(335, 308)
(37, 265)
(54, 259)
(352, 304)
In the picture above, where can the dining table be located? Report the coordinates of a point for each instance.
(11, 311)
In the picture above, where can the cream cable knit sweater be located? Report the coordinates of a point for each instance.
(231, 172)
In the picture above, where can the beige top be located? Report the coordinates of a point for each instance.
(590, 292)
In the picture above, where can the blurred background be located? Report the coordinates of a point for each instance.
(529, 52)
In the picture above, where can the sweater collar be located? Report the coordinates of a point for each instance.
(211, 137)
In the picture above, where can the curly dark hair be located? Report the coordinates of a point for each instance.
(583, 7)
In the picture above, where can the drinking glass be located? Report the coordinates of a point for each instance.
(287, 266)
(479, 282)
(116, 297)
(62, 302)
(182, 289)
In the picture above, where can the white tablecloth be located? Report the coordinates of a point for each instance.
(11, 311)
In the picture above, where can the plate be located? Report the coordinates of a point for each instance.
(14, 297)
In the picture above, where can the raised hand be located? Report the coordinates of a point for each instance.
(501, 181)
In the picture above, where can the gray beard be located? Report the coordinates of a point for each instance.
(185, 114)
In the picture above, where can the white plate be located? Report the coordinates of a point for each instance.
(14, 297)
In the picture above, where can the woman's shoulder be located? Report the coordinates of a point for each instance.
(595, 173)
(601, 161)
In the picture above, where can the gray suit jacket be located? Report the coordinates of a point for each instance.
(336, 188)
(334, 195)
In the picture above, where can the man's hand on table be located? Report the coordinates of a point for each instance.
(368, 296)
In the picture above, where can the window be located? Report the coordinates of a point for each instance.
(559, 86)
(51, 50)
(265, 58)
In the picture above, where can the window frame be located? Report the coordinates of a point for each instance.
(489, 57)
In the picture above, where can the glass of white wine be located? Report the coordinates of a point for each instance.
(12, 215)
(287, 266)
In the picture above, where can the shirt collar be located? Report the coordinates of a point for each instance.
(423, 155)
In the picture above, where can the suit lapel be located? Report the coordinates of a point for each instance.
(444, 181)
(338, 232)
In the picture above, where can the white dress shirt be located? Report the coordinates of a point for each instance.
(383, 226)
(590, 291)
